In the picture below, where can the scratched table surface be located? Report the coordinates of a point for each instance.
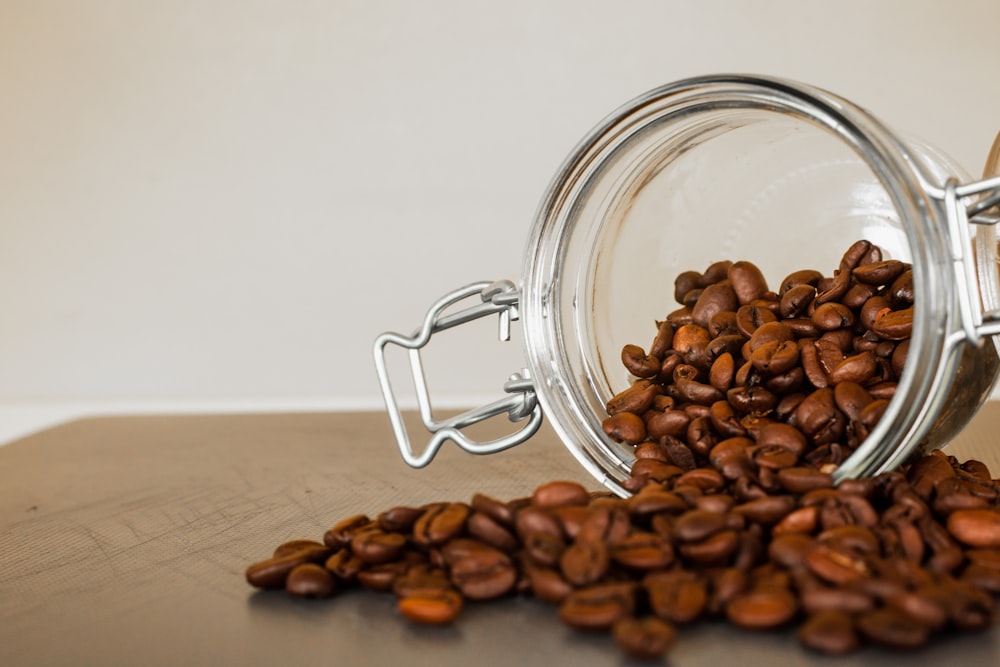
(124, 541)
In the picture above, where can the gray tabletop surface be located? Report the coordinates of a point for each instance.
(124, 542)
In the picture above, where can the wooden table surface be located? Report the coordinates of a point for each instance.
(124, 542)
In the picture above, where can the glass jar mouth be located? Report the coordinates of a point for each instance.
(647, 149)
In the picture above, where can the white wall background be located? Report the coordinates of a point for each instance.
(217, 204)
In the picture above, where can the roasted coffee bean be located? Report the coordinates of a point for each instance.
(643, 551)
(310, 581)
(762, 608)
(440, 522)
(376, 546)
(640, 364)
(485, 575)
(625, 427)
(399, 519)
(644, 638)
(432, 606)
(892, 628)
(490, 531)
(559, 493)
(585, 561)
(676, 596)
(831, 632)
(598, 607)
(342, 532)
(295, 546)
(636, 399)
(979, 528)
(273, 572)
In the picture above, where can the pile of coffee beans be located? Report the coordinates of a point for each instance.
(739, 413)
(756, 380)
(890, 560)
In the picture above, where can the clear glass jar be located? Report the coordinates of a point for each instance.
(732, 167)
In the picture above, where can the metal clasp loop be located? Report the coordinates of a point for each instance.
(975, 323)
(498, 298)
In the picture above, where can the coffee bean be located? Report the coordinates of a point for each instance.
(646, 638)
(978, 528)
(310, 581)
(431, 607)
(762, 608)
(892, 628)
(676, 596)
(585, 561)
(598, 607)
(831, 632)
(559, 493)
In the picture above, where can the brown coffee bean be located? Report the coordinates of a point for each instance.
(676, 596)
(646, 638)
(684, 283)
(585, 562)
(767, 510)
(485, 575)
(836, 567)
(979, 528)
(273, 572)
(498, 511)
(309, 580)
(625, 427)
(376, 546)
(431, 606)
(342, 532)
(859, 368)
(559, 493)
(818, 417)
(489, 530)
(880, 273)
(715, 550)
(894, 324)
(796, 300)
(705, 480)
(673, 423)
(399, 519)
(801, 277)
(598, 607)
(775, 357)
(643, 551)
(640, 364)
(801, 520)
(830, 632)
(295, 546)
(751, 317)
(691, 342)
(440, 523)
(892, 628)
(832, 315)
(636, 399)
(715, 298)
(762, 608)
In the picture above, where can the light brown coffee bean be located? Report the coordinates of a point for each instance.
(979, 528)
(762, 608)
(559, 493)
(431, 607)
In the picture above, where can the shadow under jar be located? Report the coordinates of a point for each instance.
(733, 167)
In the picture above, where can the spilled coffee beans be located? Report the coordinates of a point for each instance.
(741, 409)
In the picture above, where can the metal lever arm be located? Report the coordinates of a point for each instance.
(494, 298)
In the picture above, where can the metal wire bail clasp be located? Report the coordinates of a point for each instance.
(499, 298)
(984, 210)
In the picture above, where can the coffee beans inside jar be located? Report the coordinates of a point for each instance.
(740, 410)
